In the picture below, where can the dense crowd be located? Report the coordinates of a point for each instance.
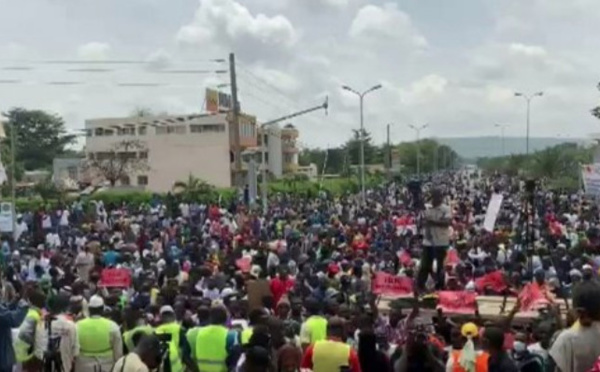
(184, 286)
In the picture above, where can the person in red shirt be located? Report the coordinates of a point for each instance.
(331, 354)
(281, 285)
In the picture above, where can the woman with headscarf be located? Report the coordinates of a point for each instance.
(464, 357)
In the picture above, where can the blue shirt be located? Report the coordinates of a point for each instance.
(10, 317)
(110, 258)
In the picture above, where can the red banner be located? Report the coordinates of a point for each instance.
(532, 298)
(458, 302)
(494, 281)
(390, 285)
(244, 264)
(115, 278)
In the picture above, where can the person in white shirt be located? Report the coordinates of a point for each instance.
(62, 332)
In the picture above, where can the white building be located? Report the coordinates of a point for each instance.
(174, 146)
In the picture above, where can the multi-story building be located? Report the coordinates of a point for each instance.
(281, 154)
(173, 147)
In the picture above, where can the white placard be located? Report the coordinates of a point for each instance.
(6, 217)
(492, 212)
(590, 175)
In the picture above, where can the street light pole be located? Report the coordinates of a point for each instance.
(502, 127)
(418, 132)
(361, 97)
(528, 99)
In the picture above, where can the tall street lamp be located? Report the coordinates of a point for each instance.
(361, 96)
(502, 127)
(418, 133)
(528, 98)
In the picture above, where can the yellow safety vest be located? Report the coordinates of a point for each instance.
(211, 348)
(94, 337)
(246, 334)
(128, 336)
(174, 330)
(317, 326)
(24, 348)
(330, 356)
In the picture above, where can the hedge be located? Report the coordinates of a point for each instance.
(335, 187)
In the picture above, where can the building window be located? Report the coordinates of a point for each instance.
(142, 180)
(142, 130)
(126, 131)
(209, 128)
(109, 132)
(89, 133)
(99, 131)
(101, 156)
(143, 155)
(72, 172)
(177, 129)
(90, 156)
(161, 130)
(125, 180)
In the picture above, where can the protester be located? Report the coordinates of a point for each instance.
(144, 357)
(11, 316)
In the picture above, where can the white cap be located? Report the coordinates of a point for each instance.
(166, 309)
(96, 301)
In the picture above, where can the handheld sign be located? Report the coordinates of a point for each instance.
(115, 278)
(390, 285)
(457, 302)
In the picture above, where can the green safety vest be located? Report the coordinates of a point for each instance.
(246, 334)
(174, 330)
(211, 348)
(317, 326)
(94, 337)
(128, 336)
(24, 349)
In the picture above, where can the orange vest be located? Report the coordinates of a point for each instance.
(481, 362)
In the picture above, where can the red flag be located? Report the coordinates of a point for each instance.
(452, 258)
(404, 257)
(532, 298)
(494, 281)
(115, 278)
(390, 285)
(458, 302)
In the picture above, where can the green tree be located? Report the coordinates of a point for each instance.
(48, 190)
(193, 189)
(40, 137)
(353, 147)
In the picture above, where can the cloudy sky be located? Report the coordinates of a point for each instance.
(452, 64)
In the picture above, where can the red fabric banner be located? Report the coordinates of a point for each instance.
(532, 297)
(494, 281)
(115, 278)
(390, 285)
(458, 302)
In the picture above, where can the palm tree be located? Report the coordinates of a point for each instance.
(193, 189)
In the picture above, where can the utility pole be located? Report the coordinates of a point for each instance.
(528, 99)
(13, 179)
(235, 117)
(418, 143)
(389, 153)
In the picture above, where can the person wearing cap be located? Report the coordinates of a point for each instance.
(333, 353)
(100, 342)
(464, 357)
(179, 349)
(212, 345)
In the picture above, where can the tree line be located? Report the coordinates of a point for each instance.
(343, 160)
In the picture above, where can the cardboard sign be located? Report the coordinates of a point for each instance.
(457, 302)
(257, 289)
(390, 285)
(494, 281)
(532, 298)
(244, 264)
(115, 278)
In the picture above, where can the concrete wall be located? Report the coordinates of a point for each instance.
(174, 150)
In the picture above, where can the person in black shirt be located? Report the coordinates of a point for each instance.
(499, 361)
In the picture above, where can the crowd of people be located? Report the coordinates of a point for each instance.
(218, 288)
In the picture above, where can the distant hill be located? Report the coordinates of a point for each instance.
(477, 147)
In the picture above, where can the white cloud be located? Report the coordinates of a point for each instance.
(534, 51)
(232, 24)
(94, 51)
(158, 60)
(388, 23)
